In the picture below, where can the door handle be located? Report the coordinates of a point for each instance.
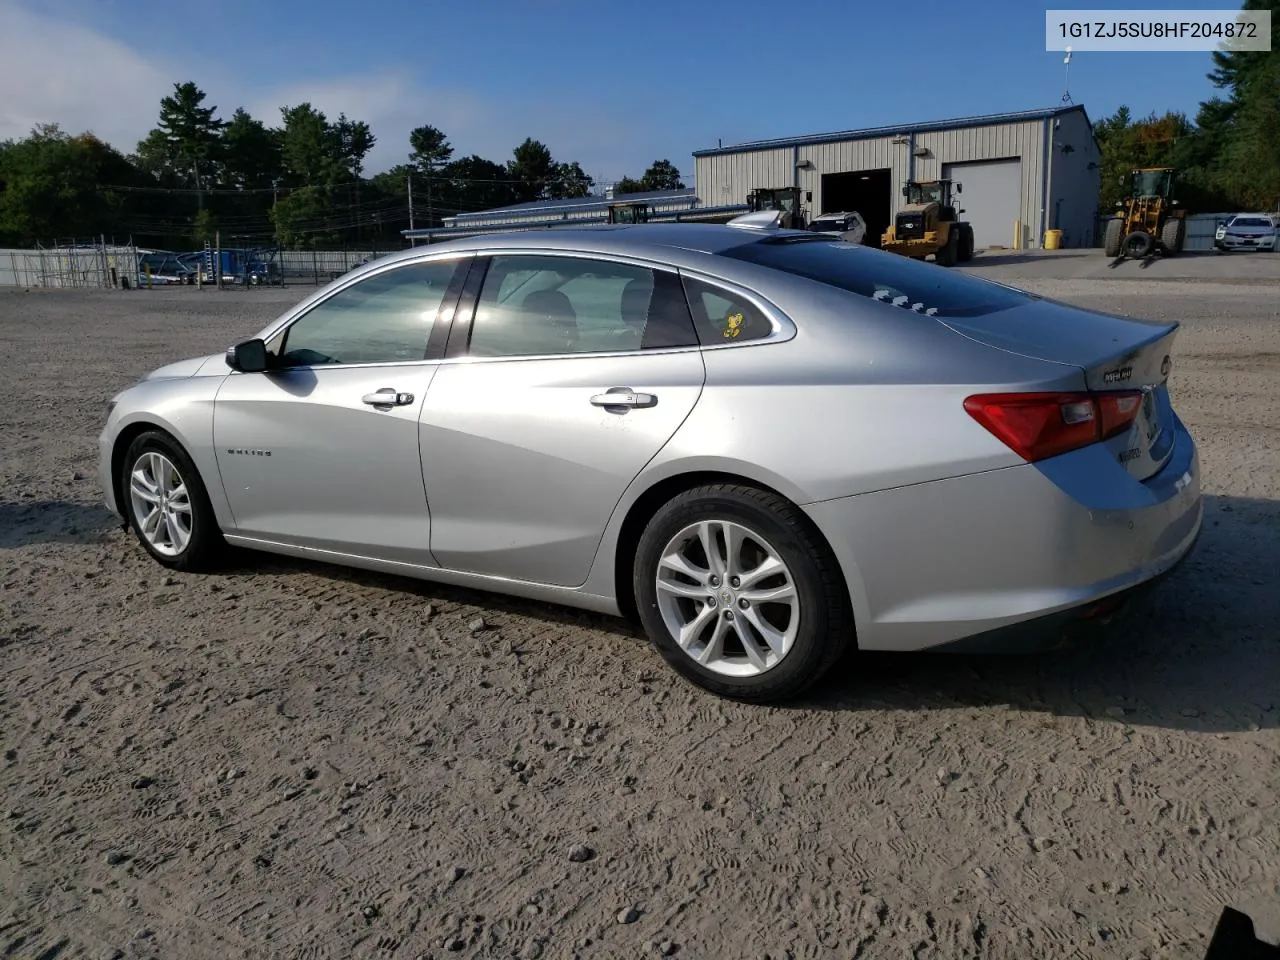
(387, 397)
(623, 397)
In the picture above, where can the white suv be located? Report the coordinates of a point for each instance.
(1247, 231)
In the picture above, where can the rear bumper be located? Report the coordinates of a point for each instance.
(1011, 555)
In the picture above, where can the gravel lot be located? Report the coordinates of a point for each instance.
(292, 760)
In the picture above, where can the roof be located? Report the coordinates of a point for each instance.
(665, 240)
(867, 133)
(594, 200)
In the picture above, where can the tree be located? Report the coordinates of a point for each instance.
(250, 152)
(628, 185)
(1250, 170)
(662, 175)
(431, 149)
(532, 169)
(310, 147)
(354, 140)
(56, 185)
(474, 183)
(305, 218)
(185, 142)
(569, 181)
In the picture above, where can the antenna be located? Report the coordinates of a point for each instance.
(1066, 73)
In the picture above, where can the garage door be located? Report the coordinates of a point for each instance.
(991, 198)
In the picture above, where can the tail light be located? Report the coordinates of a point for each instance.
(1036, 426)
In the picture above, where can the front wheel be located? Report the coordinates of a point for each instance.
(168, 508)
(739, 594)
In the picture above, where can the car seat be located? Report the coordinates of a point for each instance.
(551, 310)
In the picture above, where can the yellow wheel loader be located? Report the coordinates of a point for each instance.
(928, 225)
(1146, 221)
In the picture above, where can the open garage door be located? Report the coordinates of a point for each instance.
(868, 192)
(991, 198)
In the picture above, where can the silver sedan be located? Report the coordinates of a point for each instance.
(770, 446)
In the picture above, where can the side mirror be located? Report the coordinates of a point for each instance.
(959, 188)
(961, 210)
(248, 357)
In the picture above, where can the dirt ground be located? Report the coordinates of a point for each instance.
(293, 760)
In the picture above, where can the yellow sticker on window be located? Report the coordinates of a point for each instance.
(733, 325)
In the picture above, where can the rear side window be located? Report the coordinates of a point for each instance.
(722, 316)
(886, 277)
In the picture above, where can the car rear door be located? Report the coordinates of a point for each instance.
(564, 375)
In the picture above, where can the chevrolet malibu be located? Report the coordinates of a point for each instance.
(769, 446)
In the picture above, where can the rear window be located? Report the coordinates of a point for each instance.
(886, 277)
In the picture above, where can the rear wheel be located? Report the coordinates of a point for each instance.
(1171, 235)
(1115, 236)
(739, 594)
(966, 243)
(167, 504)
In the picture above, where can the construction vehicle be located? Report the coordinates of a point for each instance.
(635, 212)
(785, 200)
(1147, 222)
(929, 226)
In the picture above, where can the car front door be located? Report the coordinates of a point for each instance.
(571, 374)
(321, 449)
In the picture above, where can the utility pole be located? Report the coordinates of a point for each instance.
(409, 180)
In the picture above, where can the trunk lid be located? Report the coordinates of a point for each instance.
(1114, 354)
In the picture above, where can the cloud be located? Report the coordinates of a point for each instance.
(57, 71)
(54, 71)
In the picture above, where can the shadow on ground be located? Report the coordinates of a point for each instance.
(33, 522)
(1201, 652)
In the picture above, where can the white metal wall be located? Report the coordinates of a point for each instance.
(727, 178)
(996, 142)
(1073, 186)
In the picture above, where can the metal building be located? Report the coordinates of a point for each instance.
(1021, 173)
(663, 205)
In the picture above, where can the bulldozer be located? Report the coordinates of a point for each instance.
(928, 225)
(1147, 222)
(786, 200)
(634, 212)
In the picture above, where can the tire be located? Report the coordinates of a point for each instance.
(1171, 236)
(1115, 237)
(204, 546)
(811, 629)
(947, 255)
(966, 243)
(1138, 245)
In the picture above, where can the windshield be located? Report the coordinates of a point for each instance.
(1151, 183)
(924, 193)
(1251, 222)
(898, 281)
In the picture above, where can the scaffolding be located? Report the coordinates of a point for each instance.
(71, 264)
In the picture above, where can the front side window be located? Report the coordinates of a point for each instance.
(555, 305)
(385, 318)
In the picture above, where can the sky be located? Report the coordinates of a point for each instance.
(611, 85)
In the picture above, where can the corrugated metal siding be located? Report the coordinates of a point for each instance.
(728, 178)
(1073, 185)
(998, 142)
(849, 156)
